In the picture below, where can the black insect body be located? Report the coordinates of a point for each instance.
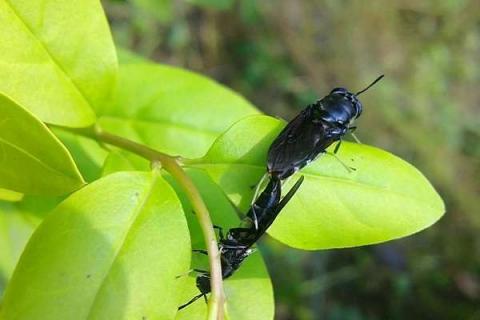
(301, 141)
(230, 260)
(313, 131)
(236, 245)
(261, 215)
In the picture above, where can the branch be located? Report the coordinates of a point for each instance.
(171, 165)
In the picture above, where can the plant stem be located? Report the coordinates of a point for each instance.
(171, 165)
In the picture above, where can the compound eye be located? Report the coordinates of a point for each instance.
(358, 107)
(339, 91)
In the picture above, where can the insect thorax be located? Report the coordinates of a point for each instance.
(339, 108)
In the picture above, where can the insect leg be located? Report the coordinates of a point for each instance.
(355, 137)
(337, 146)
(220, 231)
(257, 191)
(201, 271)
(349, 169)
(192, 301)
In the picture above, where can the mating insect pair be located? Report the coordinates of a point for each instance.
(237, 244)
(304, 138)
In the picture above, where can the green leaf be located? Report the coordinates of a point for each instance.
(88, 154)
(17, 222)
(384, 199)
(57, 58)
(9, 195)
(16, 227)
(249, 290)
(34, 208)
(249, 293)
(170, 109)
(125, 56)
(124, 161)
(110, 251)
(32, 160)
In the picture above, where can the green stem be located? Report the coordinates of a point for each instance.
(171, 165)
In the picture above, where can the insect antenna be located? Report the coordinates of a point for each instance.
(370, 85)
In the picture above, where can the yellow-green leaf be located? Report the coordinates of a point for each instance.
(9, 195)
(17, 224)
(249, 293)
(383, 199)
(88, 154)
(112, 250)
(57, 58)
(170, 109)
(32, 160)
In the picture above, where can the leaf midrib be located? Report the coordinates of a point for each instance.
(330, 178)
(183, 126)
(124, 238)
(29, 155)
(50, 54)
(372, 227)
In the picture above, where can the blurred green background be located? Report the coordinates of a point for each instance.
(284, 54)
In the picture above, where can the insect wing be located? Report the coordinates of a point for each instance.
(290, 193)
(273, 212)
(296, 144)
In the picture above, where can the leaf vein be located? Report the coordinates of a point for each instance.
(315, 176)
(43, 164)
(183, 126)
(50, 54)
(123, 241)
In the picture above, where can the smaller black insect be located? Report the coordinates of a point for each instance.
(313, 131)
(235, 247)
(261, 215)
(231, 260)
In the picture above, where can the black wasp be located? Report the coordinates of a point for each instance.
(236, 245)
(313, 131)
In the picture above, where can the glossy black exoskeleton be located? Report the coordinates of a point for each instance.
(236, 245)
(313, 131)
(230, 260)
(261, 215)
